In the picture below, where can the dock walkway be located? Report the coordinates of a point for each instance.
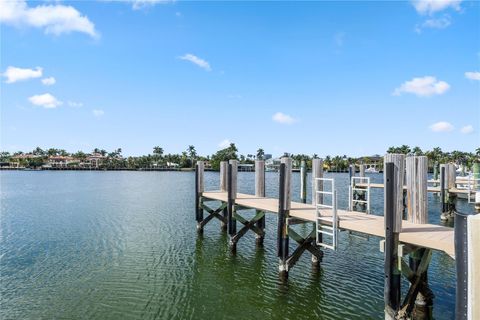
(422, 235)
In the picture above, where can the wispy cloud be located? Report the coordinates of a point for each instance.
(97, 113)
(54, 19)
(49, 81)
(197, 61)
(434, 23)
(467, 129)
(224, 143)
(45, 100)
(441, 126)
(432, 6)
(472, 75)
(423, 87)
(282, 118)
(14, 74)
(74, 104)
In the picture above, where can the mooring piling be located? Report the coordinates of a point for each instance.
(317, 172)
(283, 215)
(417, 208)
(223, 188)
(303, 182)
(392, 276)
(361, 172)
(394, 165)
(467, 259)
(232, 195)
(260, 192)
(199, 189)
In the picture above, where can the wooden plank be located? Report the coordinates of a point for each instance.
(425, 235)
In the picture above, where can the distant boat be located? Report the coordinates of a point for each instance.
(371, 170)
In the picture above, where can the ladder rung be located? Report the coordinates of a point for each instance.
(326, 232)
(324, 206)
(361, 201)
(326, 245)
(326, 227)
(324, 192)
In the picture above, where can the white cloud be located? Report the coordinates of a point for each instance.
(473, 75)
(75, 104)
(467, 129)
(45, 100)
(423, 87)
(49, 81)
(283, 118)
(441, 126)
(196, 60)
(14, 74)
(432, 6)
(224, 143)
(53, 18)
(98, 113)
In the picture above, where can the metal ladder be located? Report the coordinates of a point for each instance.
(473, 186)
(353, 188)
(322, 229)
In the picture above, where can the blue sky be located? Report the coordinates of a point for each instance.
(312, 77)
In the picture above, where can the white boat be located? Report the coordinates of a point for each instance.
(371, 170)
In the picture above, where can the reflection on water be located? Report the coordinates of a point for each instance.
(109, 245)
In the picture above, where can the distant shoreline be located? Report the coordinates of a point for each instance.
(140, 169)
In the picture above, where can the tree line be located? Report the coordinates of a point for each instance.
(187, 158)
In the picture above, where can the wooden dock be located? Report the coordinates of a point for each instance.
(407, 244)
(422, 235)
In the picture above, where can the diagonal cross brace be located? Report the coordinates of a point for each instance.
(212, 214)
(416, 283)
(247, 225)
(307, 243)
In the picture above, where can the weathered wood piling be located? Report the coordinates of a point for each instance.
(303, 182)
(393, 208)
(260, 192)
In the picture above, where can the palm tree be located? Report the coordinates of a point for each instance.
(192, 153)
(417, 151)
(260, 154)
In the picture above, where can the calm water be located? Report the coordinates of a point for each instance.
(111, 245)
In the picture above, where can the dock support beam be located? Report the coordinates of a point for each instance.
(232, 195)
(393, 207)
(199, 189)
(260, 192)
(284, 202)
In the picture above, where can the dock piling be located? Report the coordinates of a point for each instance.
(223, 188)
(199, 189)
(232, 195)
(260, 192)
(303, 182)
(284, 204)
(392, 275)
